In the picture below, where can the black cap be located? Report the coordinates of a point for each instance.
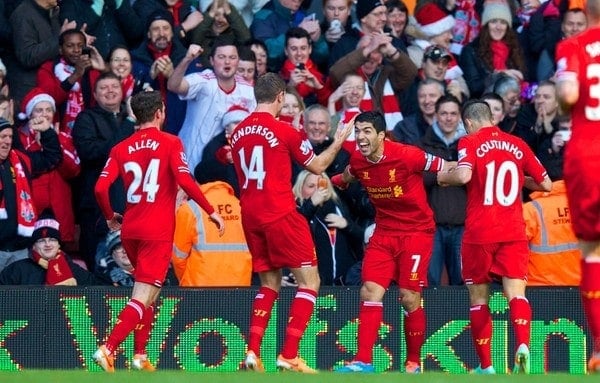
(436, 52)
(160, 14)
(4, 124)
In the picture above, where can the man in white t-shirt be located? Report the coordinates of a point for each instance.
(209, 95)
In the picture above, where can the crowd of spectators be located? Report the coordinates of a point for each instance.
(69, 67)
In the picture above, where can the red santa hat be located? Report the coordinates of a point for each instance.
(234, 114)
(31, 99)
(433, 21)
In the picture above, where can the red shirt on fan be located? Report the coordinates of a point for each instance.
(263, 149)
(395, 187)
(494, 207)
(152, 164)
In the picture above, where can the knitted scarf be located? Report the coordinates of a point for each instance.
(127, 85)
(26, 216)
(501, 52)
(74, 104)
(389, 105)
(161, 79)
(58, 271)
(467, 25)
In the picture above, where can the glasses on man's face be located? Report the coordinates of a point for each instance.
(46, 241)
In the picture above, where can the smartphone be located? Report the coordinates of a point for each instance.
(322, 183)
(311, 17)
(300, 66)
(86, 51)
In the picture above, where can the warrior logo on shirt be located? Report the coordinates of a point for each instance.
(462, 154)
(305, 147)
(366, 176)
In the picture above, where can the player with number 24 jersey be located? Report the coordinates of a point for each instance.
(494, 206)
(151, 163)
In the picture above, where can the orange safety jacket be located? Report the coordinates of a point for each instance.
(554, 255)
(202, 258)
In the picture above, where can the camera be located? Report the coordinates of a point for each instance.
(300, 66)
(86, 51)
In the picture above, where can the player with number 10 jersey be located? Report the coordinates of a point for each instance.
(494, 207)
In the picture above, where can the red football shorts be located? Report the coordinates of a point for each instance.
(402, 258)
(150, 258)
(481, 263)
(287, 242)
(581, 172)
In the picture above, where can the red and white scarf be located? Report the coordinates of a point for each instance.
(74, 103)
(58, 271)
(26, 216)
(389, 105)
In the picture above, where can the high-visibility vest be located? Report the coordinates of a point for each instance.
(202, 258)
(554, 255)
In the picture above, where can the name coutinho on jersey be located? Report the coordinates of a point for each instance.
(257, 130)
(487, 146)
(143, 144)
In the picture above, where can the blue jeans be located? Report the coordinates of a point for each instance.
(446, 252)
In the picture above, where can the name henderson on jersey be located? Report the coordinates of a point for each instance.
(258, 130)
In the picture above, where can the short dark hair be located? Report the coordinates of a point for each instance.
(145, 104)
(375, 118)
(221, 41)
(477, 110)
(63, 36)
(105, 76)
(246, 54)
(396, 4)
(297, 33)
(267, 87)
(445, 99)
(492, 96)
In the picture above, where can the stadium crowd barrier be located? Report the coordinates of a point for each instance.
(205, 329)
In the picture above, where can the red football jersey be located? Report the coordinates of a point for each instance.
(263, 149)
(578, 58)
(494, 207)
(151, 163)
(395, 187)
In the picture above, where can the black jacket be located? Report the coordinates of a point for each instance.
(40, 162)
(27, 272)
(95, 133)
(449, 202)
(334, 259)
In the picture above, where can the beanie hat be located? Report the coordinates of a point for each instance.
(4, 124)
(436, 52)
(235, 113)
(496, 10)
(433, 21)
(46, 227)
(31, 99)
(364, 7)
(160, 14)
(113, 240)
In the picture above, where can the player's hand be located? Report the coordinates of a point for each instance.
(343, 130)
(115, 222)
(218, 220)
